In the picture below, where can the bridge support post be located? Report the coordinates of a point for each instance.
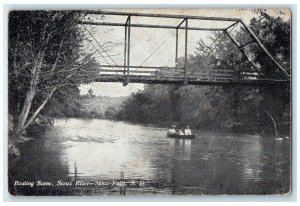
(185, 52)
(128, 47)
(176, 52)
(127, 51)
(177, 28)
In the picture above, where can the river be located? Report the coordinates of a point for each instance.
(106, 151)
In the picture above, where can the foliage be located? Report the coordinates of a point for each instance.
(275, 35)
(103, 107)
(45, 59)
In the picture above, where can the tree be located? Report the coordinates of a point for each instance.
(45, 55)
(274, 33)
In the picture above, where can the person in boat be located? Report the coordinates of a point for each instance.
(180, 132)
(172, 130)
(187, 131)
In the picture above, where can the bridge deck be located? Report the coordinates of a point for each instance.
(190, 81)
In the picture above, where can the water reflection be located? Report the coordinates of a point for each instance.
(181, 148)
(213, 163)
(108, 148)
(252, 164)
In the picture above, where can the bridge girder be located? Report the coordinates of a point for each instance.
(186, 79)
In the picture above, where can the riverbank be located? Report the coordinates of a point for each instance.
(227, 127)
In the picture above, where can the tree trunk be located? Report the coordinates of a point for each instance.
(40, 108)
(30, 93)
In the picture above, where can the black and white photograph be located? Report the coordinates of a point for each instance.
(149, 102)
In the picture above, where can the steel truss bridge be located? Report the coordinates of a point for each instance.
(128, 73)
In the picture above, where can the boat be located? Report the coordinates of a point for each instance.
(181, 136)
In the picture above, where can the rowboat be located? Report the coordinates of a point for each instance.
(181, 136)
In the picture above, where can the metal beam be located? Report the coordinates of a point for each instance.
(242, 51)
(190, 81)
(127, 20)
(178, 27)
(128, 24)
(130, 71)
(141, 67)
(125, 49)
(249, 42)
(185, 52)
(231, 25)
(162, 15)
(176, 48)
(181, 23)
(149, 26)
(280, 68)
(232, 39)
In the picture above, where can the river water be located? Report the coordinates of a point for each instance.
(106, 151)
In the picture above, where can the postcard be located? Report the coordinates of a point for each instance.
(149, 102)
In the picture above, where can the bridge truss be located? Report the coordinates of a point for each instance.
(127, 73)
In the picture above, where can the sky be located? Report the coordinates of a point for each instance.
(144, 41)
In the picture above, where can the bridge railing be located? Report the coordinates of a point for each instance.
(176, 73)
